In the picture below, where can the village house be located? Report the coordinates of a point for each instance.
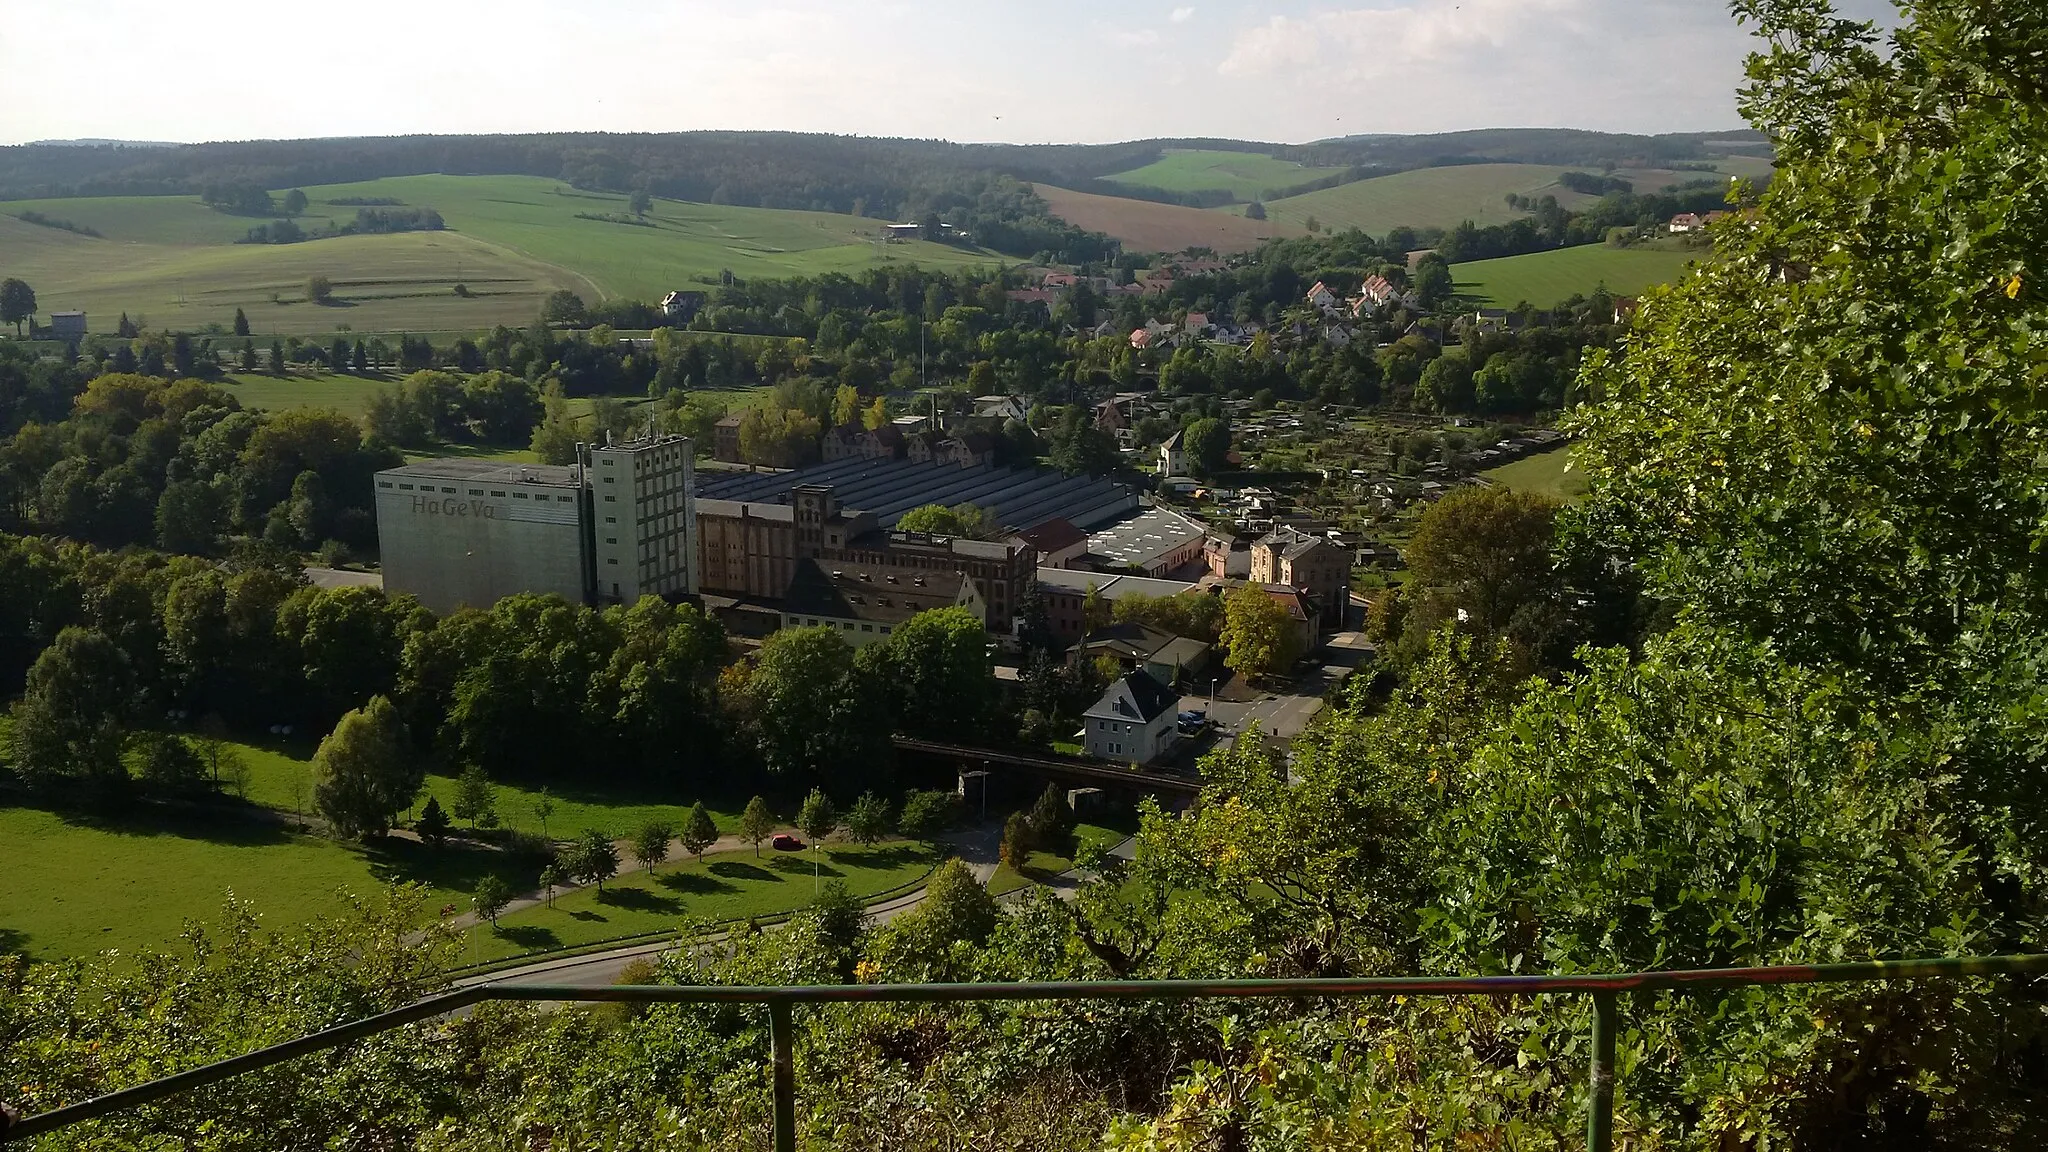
(1298, 559)
(1133, 721)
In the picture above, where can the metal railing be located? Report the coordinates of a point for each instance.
(781, 1000)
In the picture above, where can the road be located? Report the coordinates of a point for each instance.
(977, 847)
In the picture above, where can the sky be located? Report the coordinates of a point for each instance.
(984, 70)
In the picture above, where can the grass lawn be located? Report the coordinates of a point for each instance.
(1043, 864)
(341, 391)
(1543, 474)
(1421, 198)
(72, 887)
(726, 886)
(1545, 278)
(510, 239)
(281, 775)
(1246, 174)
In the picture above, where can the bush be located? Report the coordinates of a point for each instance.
(928, 815)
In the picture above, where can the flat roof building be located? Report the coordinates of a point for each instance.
(617, 525)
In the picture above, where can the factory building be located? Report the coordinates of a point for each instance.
(618, 524)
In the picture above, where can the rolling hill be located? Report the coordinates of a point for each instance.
(511, 240)
(1245, 175)
(1144, 226)
(1545, 278)
(1422, 198)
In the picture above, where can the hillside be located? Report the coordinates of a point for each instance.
(1144, 226)
(1423, 198)
(511, 240)
(1545, 278)
(1245, 175)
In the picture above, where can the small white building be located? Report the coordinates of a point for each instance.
(1133, 721)
(1173, 457)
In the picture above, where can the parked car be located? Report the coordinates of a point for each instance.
(784, 842)
(1192, 721)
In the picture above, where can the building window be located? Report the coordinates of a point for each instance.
(565, 499)
(519, 495)
(383, 483)
(496, 492)
(611, 539)
(476, 491)
(611, 519)
(614, 561)
(405, 487)
(448, 491)
(885, 629)
(609, 498)
(867, 627)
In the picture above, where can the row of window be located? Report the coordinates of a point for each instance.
(475, 492)
(814, 622)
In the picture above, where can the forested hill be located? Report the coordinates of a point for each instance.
(883, 177)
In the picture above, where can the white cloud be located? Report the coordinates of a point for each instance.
(1182, 15)
(1127, 37)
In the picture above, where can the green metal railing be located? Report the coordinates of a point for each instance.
(781, 1026)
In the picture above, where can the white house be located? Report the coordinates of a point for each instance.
(1133, 721)
(1173, 458)
(1321, 296)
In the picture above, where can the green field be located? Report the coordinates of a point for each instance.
(1544, 278)
(1042, 865)
(71, 888)
(511, 240)
(726, 886)
(1422, 198)
(337, 390)
(1246, 174)
(1544, 474)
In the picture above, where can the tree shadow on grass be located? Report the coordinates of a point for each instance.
(641, 900)
(452, 865)
(695, 883)
(224, 821)
(801, 866)
(530, 937)
(581, 914)
(741, 870)
(12, 941)
(894, 856)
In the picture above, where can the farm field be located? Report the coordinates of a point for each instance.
(1147, 227)
(1544, 474)
(725, 886)
(1421, 198)
(345, 393)
(1544, 278)
(511, 240)
(1247, 175)
(74, 888)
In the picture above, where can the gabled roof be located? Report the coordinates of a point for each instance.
(1173, 442)
(1294, 600)
(879, 593)
(1136, 696)
(1300, 548)
(1054, 535)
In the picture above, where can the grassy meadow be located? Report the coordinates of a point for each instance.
(72, 887)
(1544, 278)
(511, 240)
(76, 884)
(1421, 198)
(1545, 474)
(1144, 226)
(1247, 175)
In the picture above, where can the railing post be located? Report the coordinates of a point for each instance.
(1600, 1077)
(782, 1034)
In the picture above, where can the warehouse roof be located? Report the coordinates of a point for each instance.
(868, 592)
(1141, 540)
(1019, 498)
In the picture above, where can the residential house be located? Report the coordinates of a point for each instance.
(1302, 614)
(1173, 457)
(1196, 323)
(1227, 557)
(1322, 298)
(1001, 408)
(67, 326)
(866, 603)
(726, 439)
(1171, 660)
(1140, 339)
(1133, 721)
(682, 307)
(1298, 559)
(1687, 222)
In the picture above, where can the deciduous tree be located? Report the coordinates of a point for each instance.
(1259, 638)
(757, 823)
(366, 771)
(650, 844)
(699, 831)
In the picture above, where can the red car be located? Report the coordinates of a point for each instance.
(784, 842)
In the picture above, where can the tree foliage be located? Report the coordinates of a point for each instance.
(366, 772)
